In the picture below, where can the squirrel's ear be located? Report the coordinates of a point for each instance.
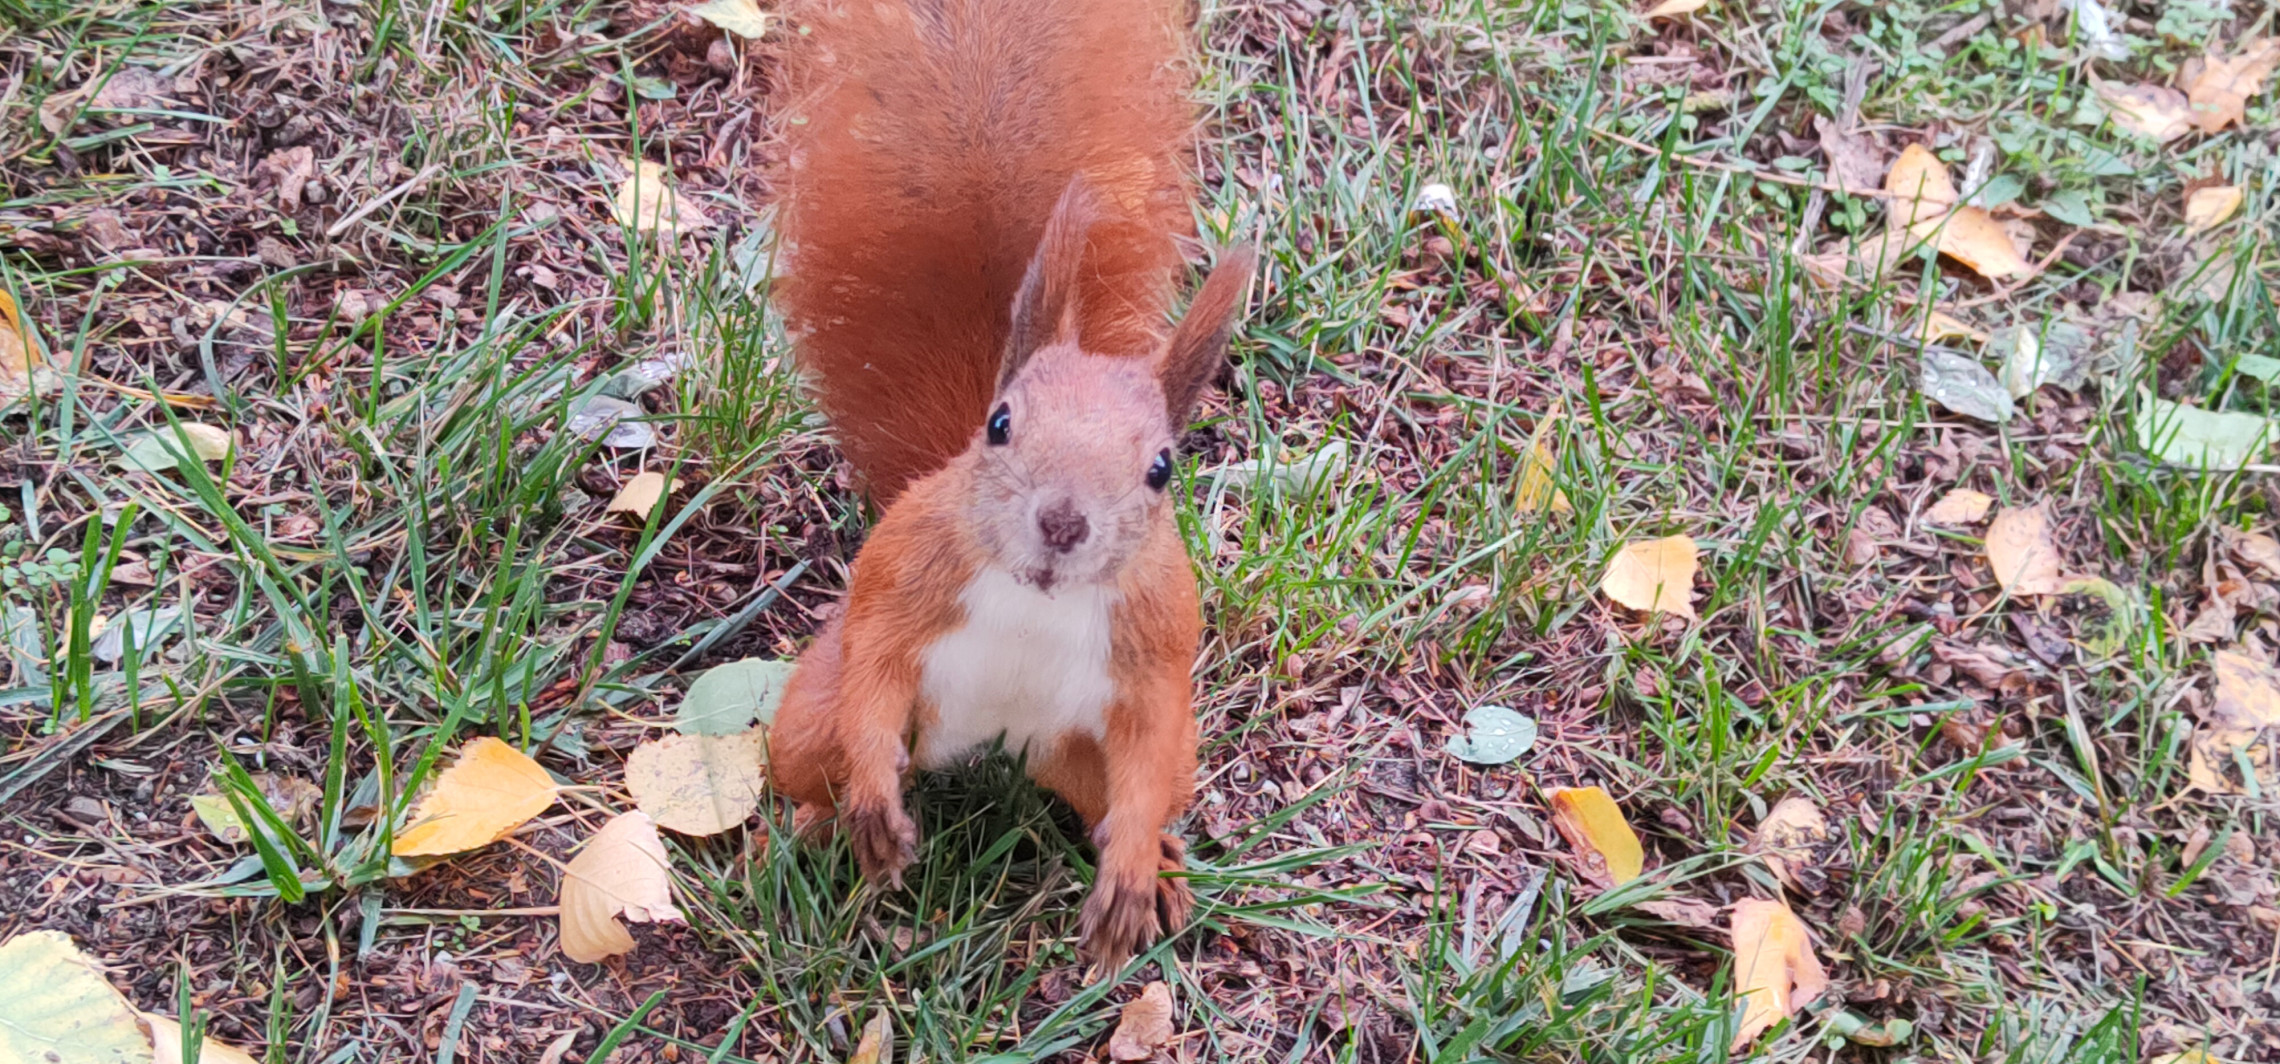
(1199, 345)
(1045, 311)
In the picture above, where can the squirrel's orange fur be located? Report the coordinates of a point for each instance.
(980, 215)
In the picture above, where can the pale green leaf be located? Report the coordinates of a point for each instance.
(728, 698)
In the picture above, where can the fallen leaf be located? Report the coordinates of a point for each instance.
(612, 420)
(2020, 551)
(2260, 551)
(1657, 574)
(1674, 8)
(1435, 199)
(1775, 970)
(2208, 207)
(2094, 27)
(1591, 822)
(166, 1044)
(647, 203)
(2246, 703)
(2152, 111)
(1961, 506)
(290, 797)
(1685, 912)
(697, 784)
(160, 449)
(2194, 438)
(2104, 628)
(727, 699)
(1301, 473)
(622, 871)
(1920, 188)
(2219, 88)
(1973, 237)
(740, 17)
(1940, 325)
(291, 169)
(1494, 735)
(877, 1046)
(1539, 487)
(640, 495)
(483, 797)
(1789, 841)
(2248, 692)
(22, 370)
(1890, 1032)
(56, 1008)
(1958, 382)
(1854, 160)
(149, 627)
(1144, 1025)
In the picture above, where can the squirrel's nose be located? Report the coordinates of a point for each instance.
(1062, 526)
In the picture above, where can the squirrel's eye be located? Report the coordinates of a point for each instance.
(1160, 470)
(1001, 425)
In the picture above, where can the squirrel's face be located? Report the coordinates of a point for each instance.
(1073, 468)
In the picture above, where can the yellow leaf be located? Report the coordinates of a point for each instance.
(1538, 489)
(648, 203)
(1789, 840)
(740, 17)
(1674, 8)
(2209, 206)
(166, 1044)
(1919, 185)
(640, 495)
(1657, 574)
(55, 1005)
(1775, 971)
(209, 442)
(1973, 237)
(2219, 89)
(697, 784)
(877, 1046)
(1144, 1025)
(1962, 506)
(483, 797)
(21, 367)
(2152, 111)
(2020, 550)
(621, 872)
(1592, 823)
(1940, 325)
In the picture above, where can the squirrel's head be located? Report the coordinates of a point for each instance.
(1073, 467)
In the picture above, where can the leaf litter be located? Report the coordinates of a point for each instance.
(622, 872)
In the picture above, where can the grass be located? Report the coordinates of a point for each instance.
(408, 547)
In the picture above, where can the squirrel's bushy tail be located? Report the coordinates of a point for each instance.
(928, 142)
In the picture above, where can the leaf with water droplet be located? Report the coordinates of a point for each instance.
(1494, 735)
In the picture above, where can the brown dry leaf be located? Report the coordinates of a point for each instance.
(2260, 551)
(483, 797)
(166, 1044)
(697, 784)
(640, 495)
(1591, 822)
(2219, 88)
(2020, 550)
(1973, 237)
(21, 368)
(2247, 702)
(1919, 184)
(1685, 912)
(648, 203)
(1144, 1025)
(1657, 574)
(2153, 111)
(622, 871)
(2248, 692)
(1775, 971)
(1674, 8)
(1788, 840)
(2208, 207)
(1961, 506)
(877, 1046)
(1853, 159)
(291, 169)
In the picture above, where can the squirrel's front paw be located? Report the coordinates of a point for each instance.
(884, 838)
(1131, 909)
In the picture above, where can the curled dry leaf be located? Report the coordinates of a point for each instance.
(640, 495)
(2219, 88)
(621, 872)
(877, 1045)
(648, 203)
(1674, 8)
(1790, 841)
(1973, 237)
(2208, 207)
(1144, 1025)
(1655, 575)
(2260, 551)
(697, 784)
(1853, 159)
(1962, 506)
(483, 797)
(2151, 111)
(2020, 551)
(1775, 970)
(1607, 850)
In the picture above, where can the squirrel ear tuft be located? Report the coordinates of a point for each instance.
(1045, 311)
(1199, 345)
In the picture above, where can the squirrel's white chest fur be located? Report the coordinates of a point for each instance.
(1026, 665)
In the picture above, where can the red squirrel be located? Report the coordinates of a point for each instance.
(979, 219)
